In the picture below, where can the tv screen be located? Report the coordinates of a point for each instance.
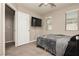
(36, 22)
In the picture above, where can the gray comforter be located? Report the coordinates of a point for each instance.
(60, 42)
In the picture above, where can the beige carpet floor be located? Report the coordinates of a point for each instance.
(29, 49)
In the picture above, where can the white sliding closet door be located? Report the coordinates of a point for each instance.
(23, 28)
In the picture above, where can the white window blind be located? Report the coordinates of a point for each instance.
(72, 20)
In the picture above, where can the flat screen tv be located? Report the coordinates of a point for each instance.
(36, 22)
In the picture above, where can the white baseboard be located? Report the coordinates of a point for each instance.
(9, 41)
(28, 42)
(32, 41)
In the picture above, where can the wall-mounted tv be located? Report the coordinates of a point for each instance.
(36, 22)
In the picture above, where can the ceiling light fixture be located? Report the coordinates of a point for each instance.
(46, 4)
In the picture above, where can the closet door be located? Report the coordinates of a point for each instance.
(23, 28)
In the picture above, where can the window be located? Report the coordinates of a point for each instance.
(72, 20)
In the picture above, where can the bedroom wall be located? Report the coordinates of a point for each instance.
(58, 21)
(34, 31)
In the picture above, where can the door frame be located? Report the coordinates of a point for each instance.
(2, 10)
(15, 24)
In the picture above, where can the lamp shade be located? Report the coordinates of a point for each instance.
(77, 37)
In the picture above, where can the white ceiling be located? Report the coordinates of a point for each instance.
(43, 9)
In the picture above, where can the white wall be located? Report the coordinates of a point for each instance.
(58, 21)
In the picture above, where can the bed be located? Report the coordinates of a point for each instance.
(54, 43)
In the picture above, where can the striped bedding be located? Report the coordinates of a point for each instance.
(54, 43)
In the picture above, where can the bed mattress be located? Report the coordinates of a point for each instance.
(56, 44)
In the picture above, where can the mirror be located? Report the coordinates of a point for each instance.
(49, 23)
